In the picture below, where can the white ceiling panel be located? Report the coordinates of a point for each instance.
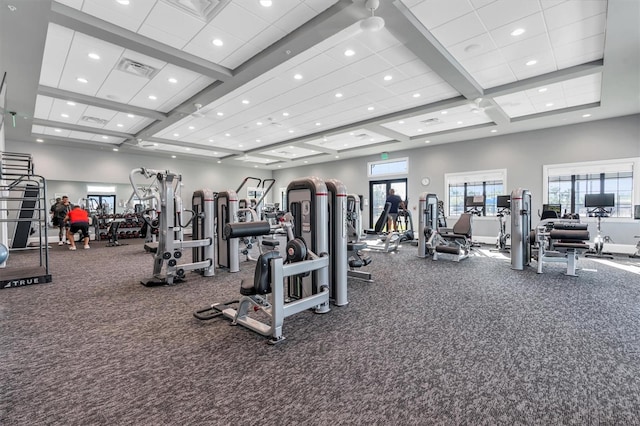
(434, 13)
(349, 140)
(170, 25)
(500, 13)
(569, 12)
(533, 25)
(574, 92)
(423, 124)
(129, 16)
(57, 45)
(577, 31)
(290, 152)
(458, 30)
(527, 48)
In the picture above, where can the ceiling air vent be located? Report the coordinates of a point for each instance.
(205, 10)
(362, 136)
(136, 68)
(94, 120)
(431, 121)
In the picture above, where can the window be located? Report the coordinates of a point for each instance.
(398, 166)
(488, 184)
(567, 184)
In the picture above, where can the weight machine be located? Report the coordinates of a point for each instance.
(355, 258)
(171, 243)
(285, 287)
(599, 206)
(557, 240)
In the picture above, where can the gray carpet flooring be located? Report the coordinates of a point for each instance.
(443, 343)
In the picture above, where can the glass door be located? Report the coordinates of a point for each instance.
(378, 192)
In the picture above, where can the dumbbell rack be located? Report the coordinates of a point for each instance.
(129, 227)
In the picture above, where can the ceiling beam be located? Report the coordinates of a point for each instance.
(193, 145)
(90, 25)
(78, 128)
(401, 22)
(98, 102)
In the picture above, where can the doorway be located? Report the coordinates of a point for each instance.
(378, 191)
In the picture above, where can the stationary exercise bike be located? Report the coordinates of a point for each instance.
(597, 205)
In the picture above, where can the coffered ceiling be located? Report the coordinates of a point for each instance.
(308, 81)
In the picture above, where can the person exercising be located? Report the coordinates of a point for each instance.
(62, 208)
(78, 222)
(395, 201)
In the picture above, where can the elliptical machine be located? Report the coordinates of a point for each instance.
(503, 204)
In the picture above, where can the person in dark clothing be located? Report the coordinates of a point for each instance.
(59, 213)
(395, 201)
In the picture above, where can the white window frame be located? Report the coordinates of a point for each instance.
(593, 167)
(473, 176)
(371, 164)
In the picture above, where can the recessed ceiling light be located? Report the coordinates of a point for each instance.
(291, 131)
(57, 130)
(39, 140)
(173, 156)
(305, 162)
(259, 123)
(239, 145)
(71, 103)
(401, 122)
(416, 95)
(187, 149)
(427, 141)
(444, 112)
(279, 166)
(218, 161)
(285, 114)
(266, 3)
(370, 108)
(298, 76)
(115, 149)
(586, 115)
(291, 146)
(191, 127)
(318, 124)
(217, 42)
(215, 153)
(227, 134)
(256, 166)
(493, 130)
(64, 115)
(94, 56)
(172, 80)
(120, 125)
(245, 101)
(12, 7)
(123, 2)
(155, 144)
(175, 135)
(258, 140)
(82, 80)
(105, 137)
(388, 77)
(220, 114)
(337, 156)
(349, 52)
(338, 95)
(542, 90)
(420, 130)
(153, 97)
(517, 32)
(531, 62)
(550, 104)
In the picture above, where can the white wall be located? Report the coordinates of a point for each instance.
(66, 167)
(522, 154)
